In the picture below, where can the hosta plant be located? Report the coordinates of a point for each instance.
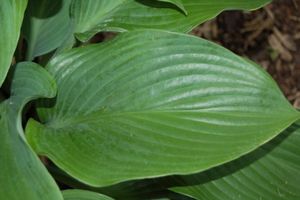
(153, 113)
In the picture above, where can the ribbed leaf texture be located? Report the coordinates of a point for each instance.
(154, 103)
(22, 175)
(270, 172)
(122, 15)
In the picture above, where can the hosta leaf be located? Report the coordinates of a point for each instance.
(11, 16)
(22, 175)
(121, 15)
(130, 190)
(153, 103)
(47, 24)
(177, 3)
(83, 195)
(88, 13)
(270, 172)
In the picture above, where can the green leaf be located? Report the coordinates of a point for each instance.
(130, 190)
(177, 3)
(83, 195)
(122, 15)
(270, 172)
(22, 175)
(11, 16)
(88, 13)
(154, 103)
(47, 24)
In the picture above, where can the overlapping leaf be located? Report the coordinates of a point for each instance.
(88, 13)
(83, 195)
(22, 175)
(153, 103)
(47, 24)
(121, 15)
(11, 16)
(271, 172)
(177, 3)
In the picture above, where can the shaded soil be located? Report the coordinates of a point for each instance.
(269, 36)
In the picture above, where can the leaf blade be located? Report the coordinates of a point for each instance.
(128, 15)
(11, 15)
(164, 106)
(83, 195)
(177, 3)
(270, 172)
(47, 24)
(22, 173)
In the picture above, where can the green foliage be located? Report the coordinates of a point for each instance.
(150, 114)
(125, 15)
(46, 25)
(22, 174)
(11, 16)
(83, 195)
(177, 3)
(270, 172)
(171, 104)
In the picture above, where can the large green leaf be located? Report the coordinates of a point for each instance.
(153, 103)
(270, 172)
(11, 16)
(121, 15)
(83, 195)
(22, 175)
(47, 24)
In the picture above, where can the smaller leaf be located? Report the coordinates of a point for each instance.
(126, 15)
(31, 81)
(46, 25)
(83, 195)
(23, 176)
(177, 3)
(11, 16)
(88, 13)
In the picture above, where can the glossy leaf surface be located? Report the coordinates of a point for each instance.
(270, 172)
(122, 15)
(11, 16)
(88, 13)
(154, 103)
(23, 176)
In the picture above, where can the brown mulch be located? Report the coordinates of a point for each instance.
(270, 36)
